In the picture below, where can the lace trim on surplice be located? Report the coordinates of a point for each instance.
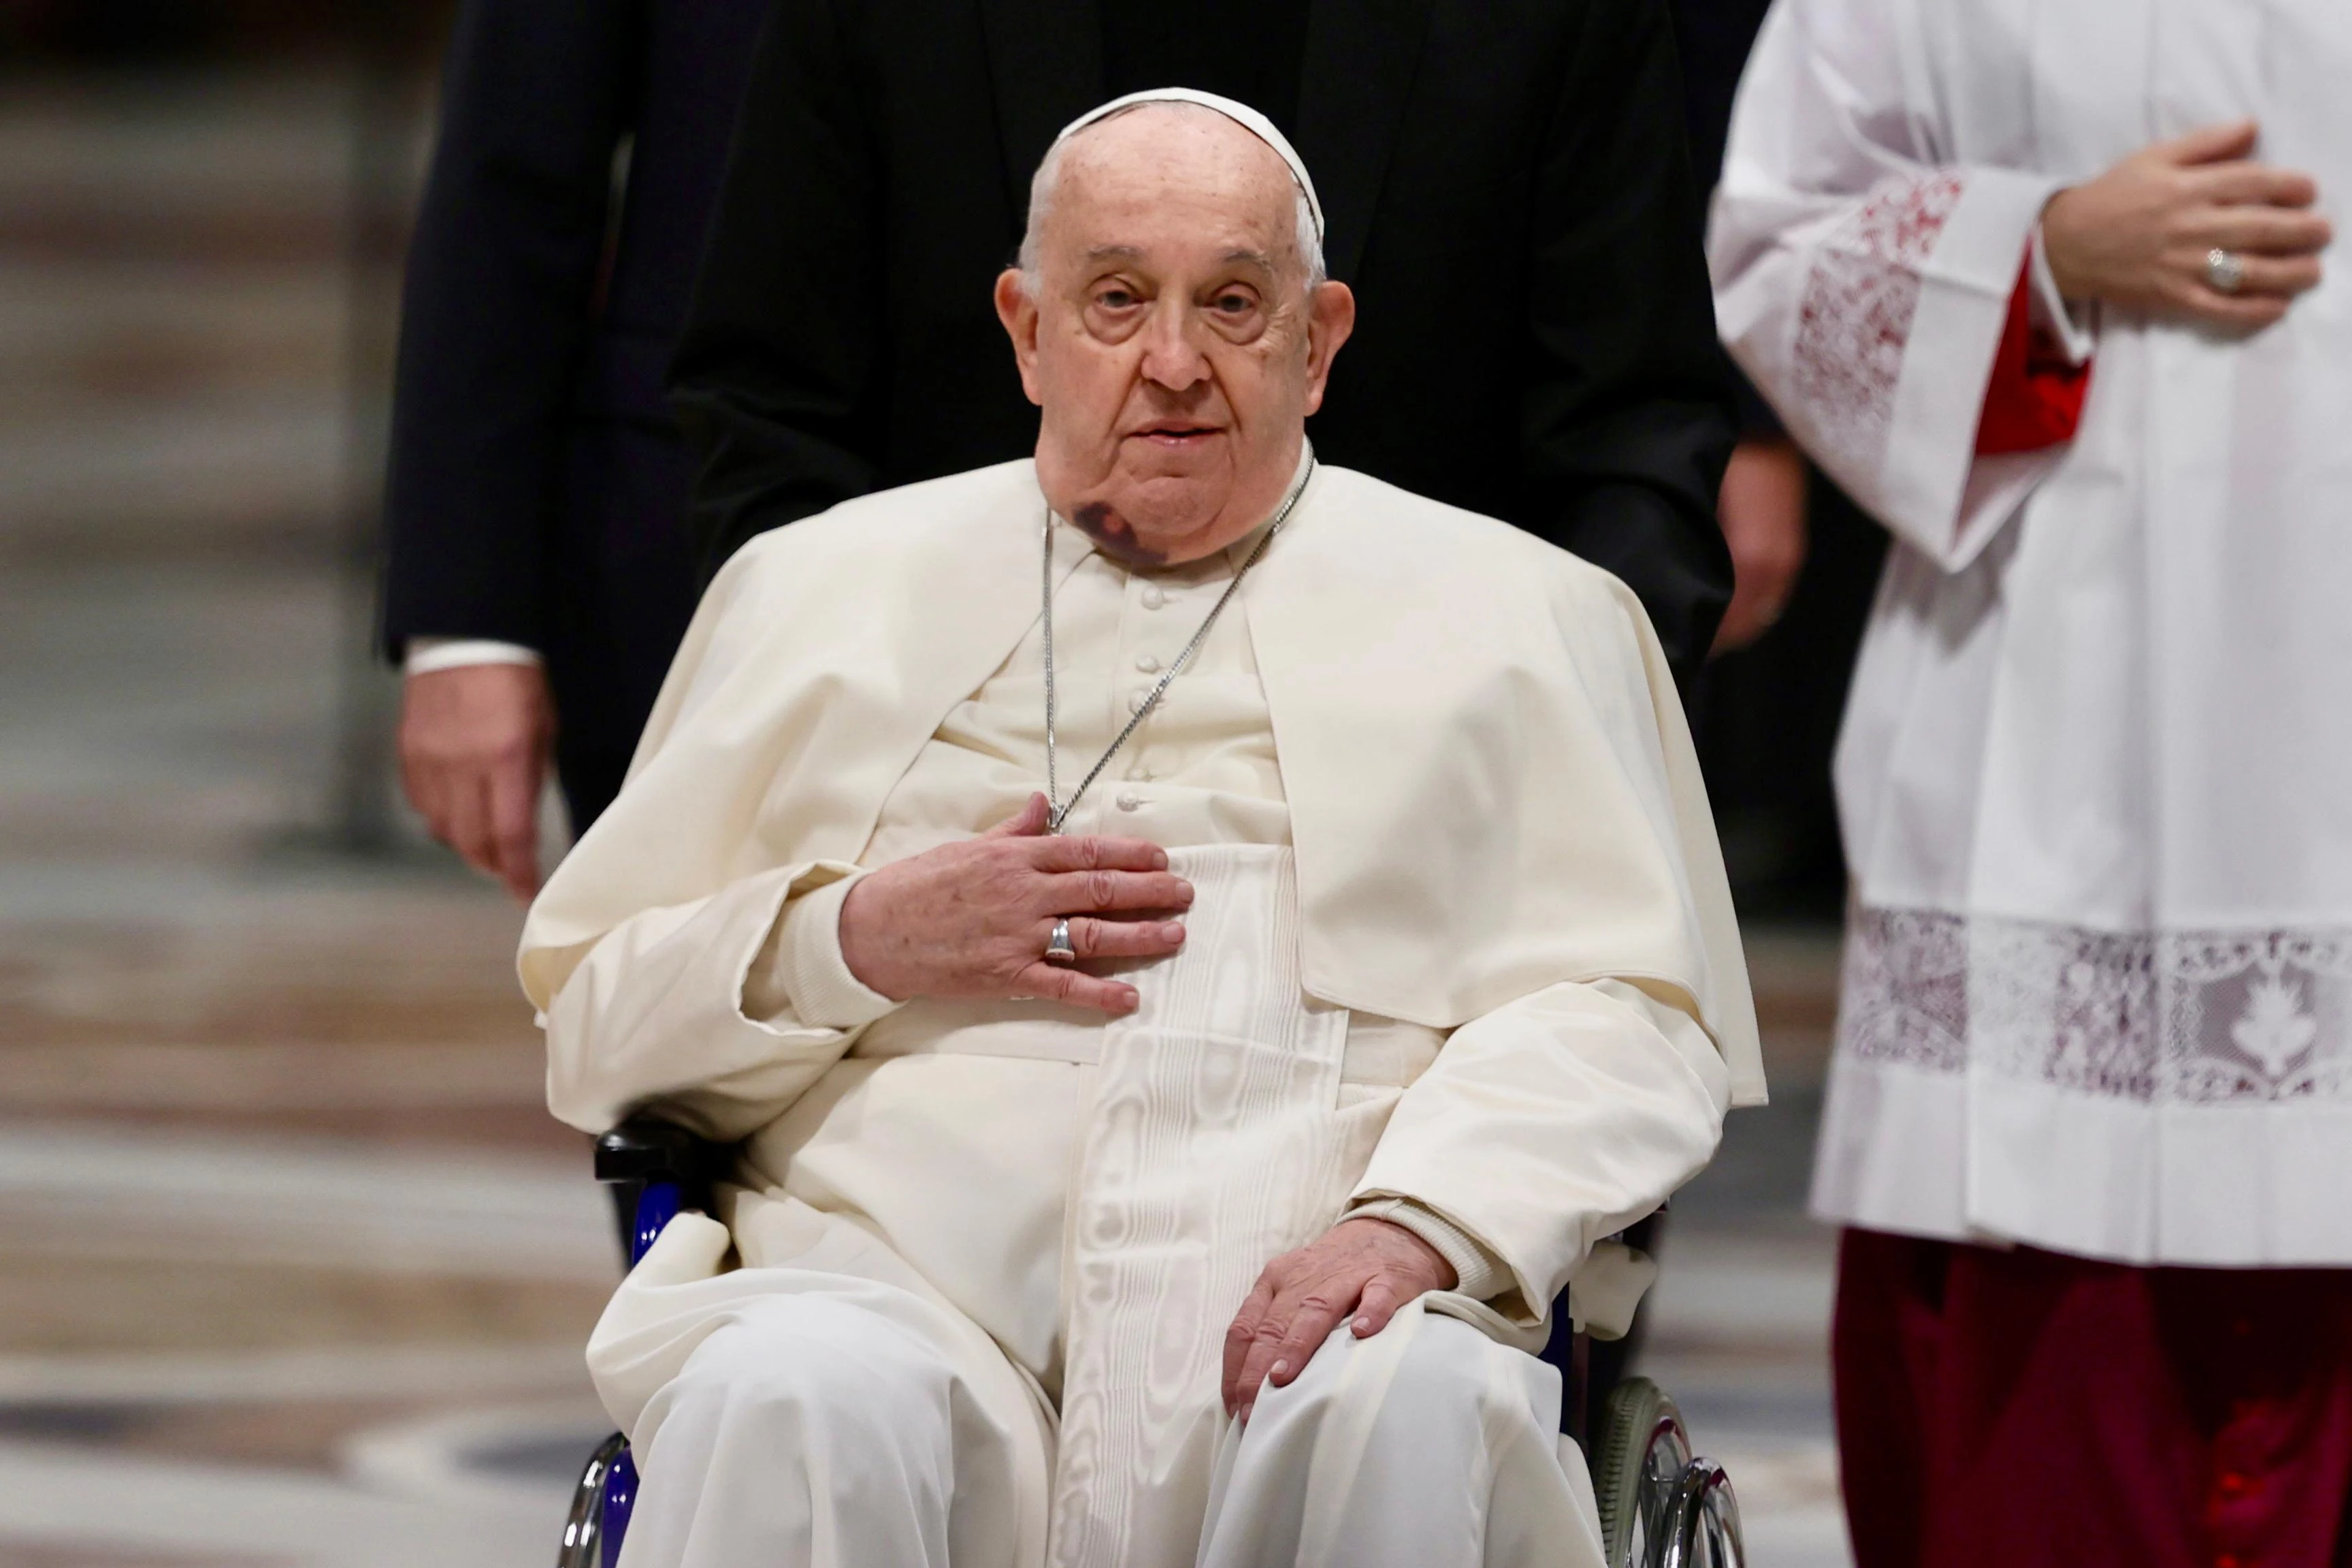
(2199, 1018)
(1854, 322)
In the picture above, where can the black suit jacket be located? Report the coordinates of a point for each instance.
(1713, 37)
(1506, 190)
(537, 488)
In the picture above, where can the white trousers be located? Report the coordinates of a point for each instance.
(844, 1430)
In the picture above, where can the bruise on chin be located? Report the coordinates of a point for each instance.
(1101, 523)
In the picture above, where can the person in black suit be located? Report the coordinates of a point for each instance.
(537, 571)
(1507, 192)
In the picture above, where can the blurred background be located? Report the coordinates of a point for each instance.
(293, 1266)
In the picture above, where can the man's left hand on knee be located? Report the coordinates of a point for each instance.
(1367, 1267)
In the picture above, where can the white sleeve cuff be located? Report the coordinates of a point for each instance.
(1478, 1273)
(423, 656)
(802, 970)
(2050, 310)
(1928, 484)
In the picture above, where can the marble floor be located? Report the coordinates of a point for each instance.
(293, 1267)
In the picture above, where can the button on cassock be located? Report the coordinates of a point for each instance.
(1128, 800)
(1147, 663)
(1151, 596)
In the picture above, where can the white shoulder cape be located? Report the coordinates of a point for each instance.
(1491, 786)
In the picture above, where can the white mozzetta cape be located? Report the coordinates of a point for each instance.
(1490, 785)
(2097, 759)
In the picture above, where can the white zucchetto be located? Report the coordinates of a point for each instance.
(1240, 113)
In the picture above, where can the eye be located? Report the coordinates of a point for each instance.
(1235, 302)
(1115, 296)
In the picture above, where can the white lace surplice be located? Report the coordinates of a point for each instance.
(2096, 774)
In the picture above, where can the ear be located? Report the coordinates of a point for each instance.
(1019, 315)
(1332, 316)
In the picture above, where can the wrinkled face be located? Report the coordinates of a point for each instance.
(1173, 343)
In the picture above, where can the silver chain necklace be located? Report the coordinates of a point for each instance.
(1059, 809)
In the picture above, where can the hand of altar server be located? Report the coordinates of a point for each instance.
(1367, 1267)
(2140, 234)
(972, 919)
(474, 744)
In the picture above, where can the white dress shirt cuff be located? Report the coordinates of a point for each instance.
(803, 969)
(423, 656)
(1478, 1273)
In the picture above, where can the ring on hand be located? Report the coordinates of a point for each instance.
(2225, 270)
(1057, 947)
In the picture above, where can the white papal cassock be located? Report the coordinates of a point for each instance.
(1460, 954)
(2096, 773)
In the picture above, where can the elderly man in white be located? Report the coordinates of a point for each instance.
(1200, 949)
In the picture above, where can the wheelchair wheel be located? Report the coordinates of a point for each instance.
(1640, 1452)
(583, 1531)
(1701, 1527)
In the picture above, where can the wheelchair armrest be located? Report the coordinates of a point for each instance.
(645, 1148)
(1590, 1374)
(654, 1168)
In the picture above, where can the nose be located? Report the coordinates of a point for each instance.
(1171, 357)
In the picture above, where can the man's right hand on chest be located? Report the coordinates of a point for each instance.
(972, 919)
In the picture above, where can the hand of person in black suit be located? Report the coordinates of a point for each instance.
(474, 747)
(1762, 510)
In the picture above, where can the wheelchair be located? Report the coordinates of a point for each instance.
(1662, 1506)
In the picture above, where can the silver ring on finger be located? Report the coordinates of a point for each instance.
(1058, 946)
(2225, 270)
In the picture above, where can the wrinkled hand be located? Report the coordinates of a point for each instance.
(474, 744)
(1367, 1267)
(1762, 510)
(972, 919)
(2139, 234)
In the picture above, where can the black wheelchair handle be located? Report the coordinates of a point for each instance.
(645, 1148)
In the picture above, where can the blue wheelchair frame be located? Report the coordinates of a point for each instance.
(656, 1169)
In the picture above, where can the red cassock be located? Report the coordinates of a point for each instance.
(2023, 1408)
